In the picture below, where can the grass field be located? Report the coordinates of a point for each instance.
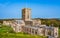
(11, 35)
(7, 32)
(59, 32)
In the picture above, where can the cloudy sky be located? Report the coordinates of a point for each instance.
(39, 8)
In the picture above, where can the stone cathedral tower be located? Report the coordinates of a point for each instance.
(26, 14)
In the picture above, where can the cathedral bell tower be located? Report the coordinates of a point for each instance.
(26, 14)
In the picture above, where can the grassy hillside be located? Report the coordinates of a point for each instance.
(7, 32)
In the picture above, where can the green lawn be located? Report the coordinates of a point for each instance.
(7, 32)
(59, 32)
(11, 35)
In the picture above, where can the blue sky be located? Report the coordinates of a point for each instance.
(39, 8)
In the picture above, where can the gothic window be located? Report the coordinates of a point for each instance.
(28, 15)
(49, 32)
